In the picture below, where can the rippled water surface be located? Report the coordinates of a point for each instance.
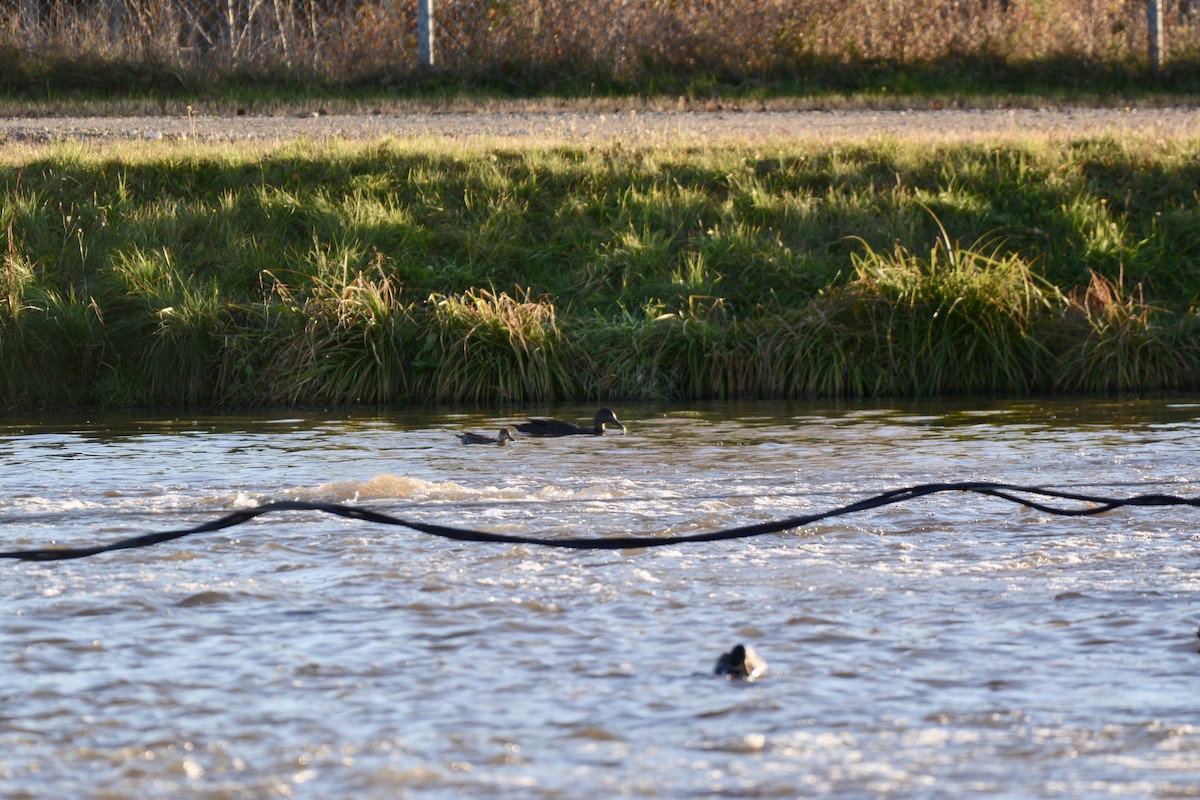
(948, 647)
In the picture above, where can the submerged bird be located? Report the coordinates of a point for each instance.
(554, 427)
(740, 663)
(478, 438)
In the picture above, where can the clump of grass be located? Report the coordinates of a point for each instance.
(698, 351)
(54, 352)
(701, 350)
(1126, 344)
(350, 341)
(16, 275)
(486, 346)
(961, 319)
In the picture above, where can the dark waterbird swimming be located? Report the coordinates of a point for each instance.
(740, 663)
(478, 438)
(554, 427)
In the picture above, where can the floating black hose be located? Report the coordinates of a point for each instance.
(1003, 491)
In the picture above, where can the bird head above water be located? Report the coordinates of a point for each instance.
(740, 663)
(604, 418)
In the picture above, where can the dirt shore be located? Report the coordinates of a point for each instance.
(633, 127)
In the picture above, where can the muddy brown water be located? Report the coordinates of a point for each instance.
(953, 646)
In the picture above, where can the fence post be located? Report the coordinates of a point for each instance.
(425, 26)
(1154, 19)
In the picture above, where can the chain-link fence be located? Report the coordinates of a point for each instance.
(741, 40)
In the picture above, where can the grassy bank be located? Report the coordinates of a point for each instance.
(175, 275)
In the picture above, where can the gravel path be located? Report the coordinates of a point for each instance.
(636, 126)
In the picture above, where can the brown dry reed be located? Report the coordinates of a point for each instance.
(551, 43)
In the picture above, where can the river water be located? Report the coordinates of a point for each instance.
(952, 646)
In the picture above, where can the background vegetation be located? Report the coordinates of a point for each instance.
(365, 52)
(172, 274)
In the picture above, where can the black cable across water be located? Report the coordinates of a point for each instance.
(1094, 504)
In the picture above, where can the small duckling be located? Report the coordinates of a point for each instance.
(476, 438)
(740, 663)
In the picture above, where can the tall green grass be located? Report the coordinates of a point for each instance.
(404, 272)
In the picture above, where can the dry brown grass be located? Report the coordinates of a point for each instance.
(556, 41)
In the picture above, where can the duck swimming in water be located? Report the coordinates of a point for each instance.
(477, 438)
(554, 427)
(740, 663)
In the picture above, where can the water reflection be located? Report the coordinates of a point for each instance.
(954, 646)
